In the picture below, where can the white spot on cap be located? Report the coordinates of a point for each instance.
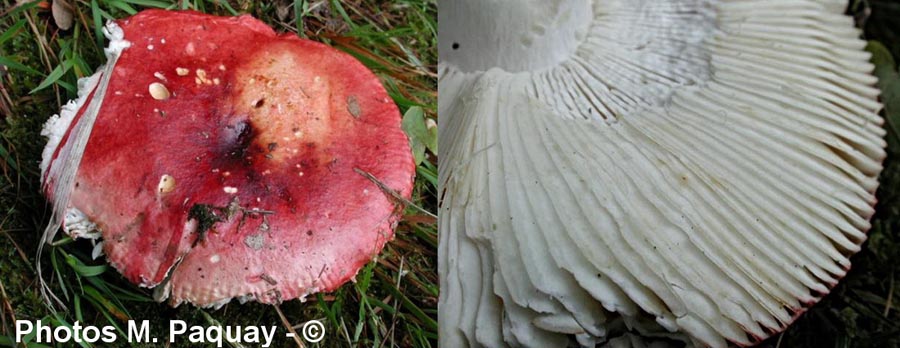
(189, 49)
(162, 40)
(150, 47)
(166, 184)
(159, 75)
(201, 77)
(159, 91)
(222, 67)
(230, 190)
(255, 241)
(215, 259)
(182, 71)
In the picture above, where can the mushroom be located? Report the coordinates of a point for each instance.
(222, 161)
(698, 171)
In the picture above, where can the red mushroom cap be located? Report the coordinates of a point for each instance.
(229, 159)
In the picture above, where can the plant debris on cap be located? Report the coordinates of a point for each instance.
(617, 171)
(225, 161)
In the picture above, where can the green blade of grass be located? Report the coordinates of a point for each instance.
(54, 76)
(9, 160)
(84, 270)
(97, 16)
(224, 4)
(79, 315)
(9, 342)
(57, 269)
(325, 307)
(152, 3)
(336, 5)
(104, 303)
(427, 173)
(408, 304)
(59, 320)
(122, 6)
(301, 8)
(12, 31)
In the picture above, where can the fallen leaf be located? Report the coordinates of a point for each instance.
(420, 135)
(62, 14)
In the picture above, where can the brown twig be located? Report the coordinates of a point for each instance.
(289, 327)
(391, 192)
(7, 307)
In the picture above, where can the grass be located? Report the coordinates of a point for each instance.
(393, 302)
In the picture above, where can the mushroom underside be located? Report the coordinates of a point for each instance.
(697, 171)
